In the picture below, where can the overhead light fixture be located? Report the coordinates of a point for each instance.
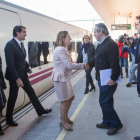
(130, 15)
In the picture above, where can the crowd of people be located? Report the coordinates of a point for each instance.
(128, 52)
(109, 54)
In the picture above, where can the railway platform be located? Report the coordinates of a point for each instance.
(85, 112)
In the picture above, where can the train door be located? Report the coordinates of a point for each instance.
(8, 19)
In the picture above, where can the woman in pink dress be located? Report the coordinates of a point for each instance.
(61, 76)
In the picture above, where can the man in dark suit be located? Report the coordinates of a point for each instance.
(45, 47)
(16, 73)
(107, 57)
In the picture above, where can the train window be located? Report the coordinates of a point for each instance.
(78, 46)
(38, 53)
(71, 48)
(53, 46)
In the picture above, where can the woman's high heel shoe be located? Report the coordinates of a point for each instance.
(66, 128)
(92, 87)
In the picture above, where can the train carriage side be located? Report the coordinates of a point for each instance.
(40, 28)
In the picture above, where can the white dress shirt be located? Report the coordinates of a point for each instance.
(19, 42)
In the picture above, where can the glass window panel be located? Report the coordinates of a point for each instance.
(39, 53)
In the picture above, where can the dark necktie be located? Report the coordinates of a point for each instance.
(23, 50)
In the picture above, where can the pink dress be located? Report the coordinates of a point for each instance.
(62, 71)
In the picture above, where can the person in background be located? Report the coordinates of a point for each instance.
(61, 76)
(120, 45)
(123, 57)
(45, 47)
(91, 38)
(107, 57)
(137, 56)
(39, 45)
(135, 40)
(137, 61)
(33, 55)
(131, 47)
(16, 74)
(2, 96)
(87, 53)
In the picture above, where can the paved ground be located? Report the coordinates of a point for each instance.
(127, 105)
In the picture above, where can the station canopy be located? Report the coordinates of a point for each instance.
(117, 11)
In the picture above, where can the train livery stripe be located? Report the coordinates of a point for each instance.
(41, 72)
(40, 78)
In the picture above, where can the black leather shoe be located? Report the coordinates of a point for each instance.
(12, 123)
(1, 132)
(45, 112)
(112, 131)
(102, 126)
(134, 82)
(92, 87)
(86, 90)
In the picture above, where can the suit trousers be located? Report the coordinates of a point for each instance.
(13, 93)
(45, 54)
(110, 117)
(89, 79)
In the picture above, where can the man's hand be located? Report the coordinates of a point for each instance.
(111, 82)
(136, 64)
(30, 70)
(86, 66)
(19, 83)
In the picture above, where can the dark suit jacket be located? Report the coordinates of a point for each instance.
(16, 64)
(45, 47)
(107, 57)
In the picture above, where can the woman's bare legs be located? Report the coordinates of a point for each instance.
(68, 107)
(63, 108)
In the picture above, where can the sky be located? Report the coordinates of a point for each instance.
(64, 10)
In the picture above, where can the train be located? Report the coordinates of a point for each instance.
(40, 28)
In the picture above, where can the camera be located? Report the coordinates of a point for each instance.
(127, 42)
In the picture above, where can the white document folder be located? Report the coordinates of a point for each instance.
(105, 76)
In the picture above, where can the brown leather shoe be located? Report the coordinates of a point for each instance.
(102, 126)
(112, 131)
(128, 85)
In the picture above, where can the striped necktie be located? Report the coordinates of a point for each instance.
(23, 49)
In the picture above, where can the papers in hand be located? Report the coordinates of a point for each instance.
(105, 76)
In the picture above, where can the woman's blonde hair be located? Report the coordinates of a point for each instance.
(59, 39)
(85, 36)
